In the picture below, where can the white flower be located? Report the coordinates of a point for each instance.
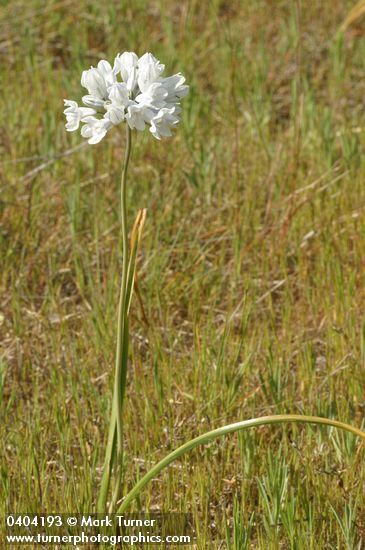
(115, 113)
(126, 65)
(137, 116)
(132, 91)
(107, 72)
(97, 81)
(118, 101)
(95, 129)
(75, 114)
(119, 94)
(149, 69)
(154, 96)
(93, 101)
(174, 85)
(162, 123)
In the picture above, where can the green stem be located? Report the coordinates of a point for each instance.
(121, 359)
(207, 437)
(108, 463)
(118, 385)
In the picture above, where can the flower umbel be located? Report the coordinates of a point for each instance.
(133, 91)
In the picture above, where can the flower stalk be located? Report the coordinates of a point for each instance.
(115, 437)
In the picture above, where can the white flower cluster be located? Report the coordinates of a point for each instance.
(133, 91)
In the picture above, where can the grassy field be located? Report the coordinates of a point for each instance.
(250, 276)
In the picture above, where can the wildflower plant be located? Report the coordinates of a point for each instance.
(135, 92)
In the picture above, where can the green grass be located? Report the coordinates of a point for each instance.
(251, 271)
